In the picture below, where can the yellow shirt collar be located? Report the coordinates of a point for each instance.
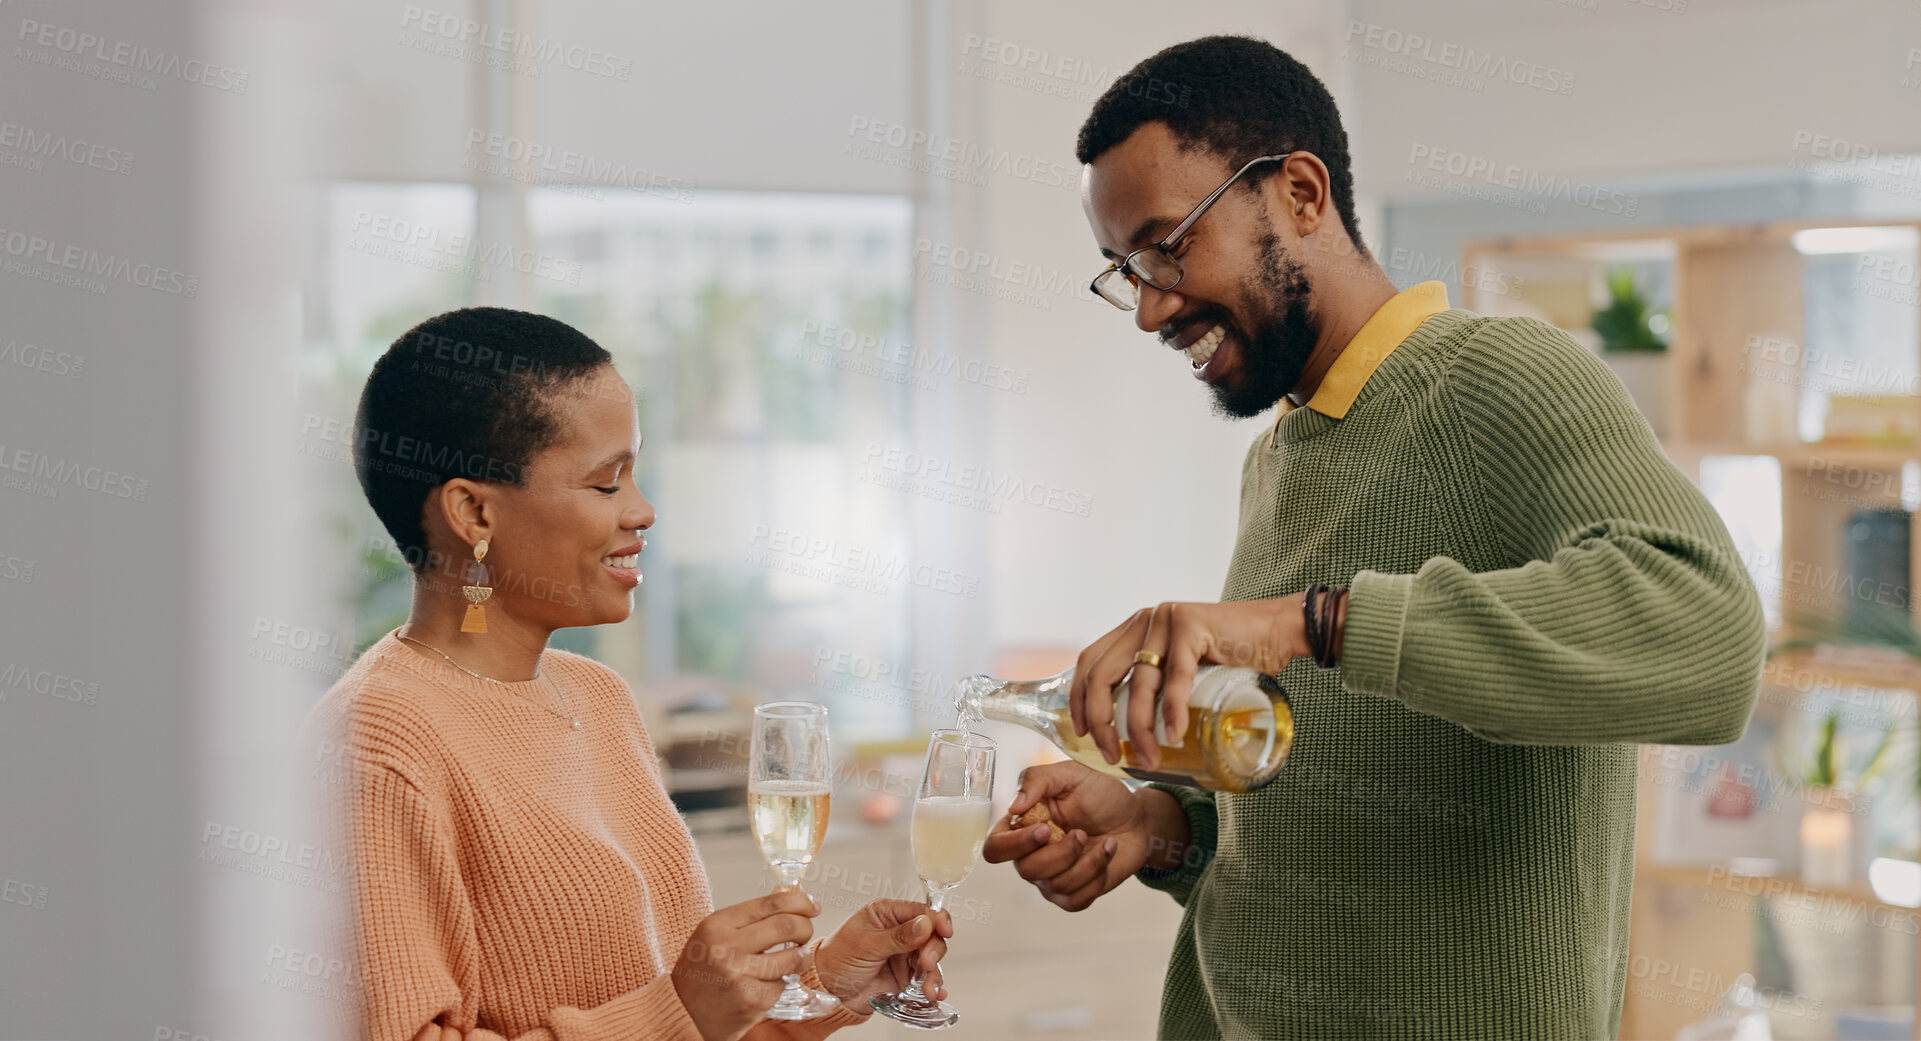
(1385, 330)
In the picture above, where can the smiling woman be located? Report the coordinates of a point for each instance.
(449, 428)
(517, 869)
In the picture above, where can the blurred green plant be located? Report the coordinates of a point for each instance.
(1627, 325)
(1824, 762)
(1826, 765)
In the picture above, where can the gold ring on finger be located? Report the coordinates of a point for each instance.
(1147, 658)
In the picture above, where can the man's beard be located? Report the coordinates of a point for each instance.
(1277, 346)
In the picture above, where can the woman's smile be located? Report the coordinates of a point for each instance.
(624, 564)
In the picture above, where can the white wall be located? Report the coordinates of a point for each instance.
(1722, 84)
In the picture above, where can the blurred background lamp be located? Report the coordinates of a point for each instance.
(1854, 240)
(1896, 882)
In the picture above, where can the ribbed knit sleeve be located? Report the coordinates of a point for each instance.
(418, 931)
(1632, 619)
(1202, 830)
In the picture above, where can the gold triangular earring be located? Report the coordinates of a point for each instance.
(477, 590)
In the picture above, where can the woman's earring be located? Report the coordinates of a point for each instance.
(477, 590)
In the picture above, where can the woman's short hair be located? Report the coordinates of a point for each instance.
(463, 394)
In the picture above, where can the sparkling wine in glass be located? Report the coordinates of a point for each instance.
(788, 791)
(951, 817)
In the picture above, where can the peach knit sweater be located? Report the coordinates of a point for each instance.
(513, 877)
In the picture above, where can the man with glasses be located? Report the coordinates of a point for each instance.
(1481, 582)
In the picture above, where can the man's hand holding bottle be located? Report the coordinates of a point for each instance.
(1112, 832)
(1259, 634)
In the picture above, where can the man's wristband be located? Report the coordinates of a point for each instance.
(1321, 612)
(1311, 618)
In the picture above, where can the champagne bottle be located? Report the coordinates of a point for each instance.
(1239, 726)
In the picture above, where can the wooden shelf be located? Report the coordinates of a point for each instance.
(1768, 885)
(1892, 676)
(1801, 453)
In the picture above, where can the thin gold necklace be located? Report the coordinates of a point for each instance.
(568, 715)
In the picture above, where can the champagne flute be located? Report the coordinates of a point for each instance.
(951, 817)
(788, 792)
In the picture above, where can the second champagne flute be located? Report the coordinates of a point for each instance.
(951, 817)
(789, 790)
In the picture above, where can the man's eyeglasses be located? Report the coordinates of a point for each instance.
(1156, 265)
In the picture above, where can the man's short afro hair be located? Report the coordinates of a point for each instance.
(1232, 96)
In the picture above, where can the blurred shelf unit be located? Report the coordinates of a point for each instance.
(1795, 341)
(1789, 389)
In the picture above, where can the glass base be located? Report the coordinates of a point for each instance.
(923, 1013)
(812, 1005)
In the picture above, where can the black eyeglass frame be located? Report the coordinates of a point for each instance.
(1128, 268)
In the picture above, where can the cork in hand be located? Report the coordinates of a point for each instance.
(1037, 814)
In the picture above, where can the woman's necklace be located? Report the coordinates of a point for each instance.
(568, 715)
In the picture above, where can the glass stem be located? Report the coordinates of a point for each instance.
(936, 896)
(792, 993)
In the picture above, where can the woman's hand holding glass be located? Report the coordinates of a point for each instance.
(878, 951)
(726, 976)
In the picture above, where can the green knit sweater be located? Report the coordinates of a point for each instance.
(1449, 851)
